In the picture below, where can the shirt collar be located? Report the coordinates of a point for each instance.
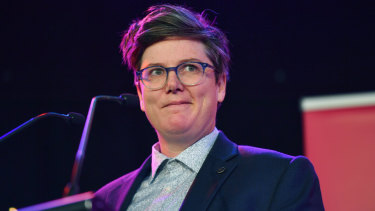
(193, 156)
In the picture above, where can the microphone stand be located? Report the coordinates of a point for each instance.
(73, 187)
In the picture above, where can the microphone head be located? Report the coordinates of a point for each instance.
(76, 118)
(130, 100)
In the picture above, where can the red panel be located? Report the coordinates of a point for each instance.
(341, 144)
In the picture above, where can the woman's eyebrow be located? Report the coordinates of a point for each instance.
(179, 62)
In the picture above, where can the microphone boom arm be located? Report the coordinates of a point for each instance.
(71, 116)
(73, 187)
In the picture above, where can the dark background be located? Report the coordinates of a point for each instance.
(57, 55)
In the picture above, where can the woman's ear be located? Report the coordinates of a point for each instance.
(221, 88)
(140, 96)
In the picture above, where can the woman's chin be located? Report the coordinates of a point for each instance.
(179, 127)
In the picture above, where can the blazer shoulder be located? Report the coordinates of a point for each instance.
(250, 151)
(116, 185)
(110, 196)
(274, 158)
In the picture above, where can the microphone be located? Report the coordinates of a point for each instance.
(126, 99)
(129, 100)
(72, 118)
(75, 118)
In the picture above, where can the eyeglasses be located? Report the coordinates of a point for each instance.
(188, 73)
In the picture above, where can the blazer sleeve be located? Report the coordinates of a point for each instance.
(298, 188)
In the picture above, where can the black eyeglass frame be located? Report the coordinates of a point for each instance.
(167, 69)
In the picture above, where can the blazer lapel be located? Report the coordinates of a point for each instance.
(132, 186)
(218, 165)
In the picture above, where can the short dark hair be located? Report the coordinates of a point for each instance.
(164, 21)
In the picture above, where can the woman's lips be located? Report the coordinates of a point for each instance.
(176, 103)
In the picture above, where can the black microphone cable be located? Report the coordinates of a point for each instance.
(72, 118)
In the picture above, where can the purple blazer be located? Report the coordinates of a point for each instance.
(232, 178)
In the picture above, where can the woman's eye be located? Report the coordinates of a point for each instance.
(190, 68)
(156, 72)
